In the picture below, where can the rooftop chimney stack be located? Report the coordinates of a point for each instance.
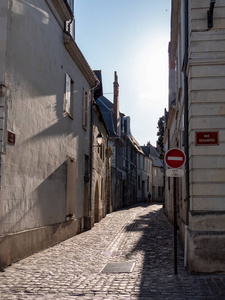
(116, 102)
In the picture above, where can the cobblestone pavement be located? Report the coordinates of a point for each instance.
(73, 268)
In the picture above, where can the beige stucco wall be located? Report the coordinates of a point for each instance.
(207, 109)
(144, 170)
(206, 80)
(157, 182)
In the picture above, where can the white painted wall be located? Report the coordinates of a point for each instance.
(34, 171)
(144, 171)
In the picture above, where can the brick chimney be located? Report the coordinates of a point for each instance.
(116, 102)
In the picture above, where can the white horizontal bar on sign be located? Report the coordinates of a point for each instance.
(174, 158)
(174, 173)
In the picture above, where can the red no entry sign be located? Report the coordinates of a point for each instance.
(175, 158)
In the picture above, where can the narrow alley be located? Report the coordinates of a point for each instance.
(128, 255)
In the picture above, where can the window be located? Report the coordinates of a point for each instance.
(70, 25)
(102, 188)
(71, 193)
(159, 191)
(86, 165)
(156, 172)
(103, 152)
(85, 110)
(139, 182)
(68, 103)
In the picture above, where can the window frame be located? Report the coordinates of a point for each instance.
(68, 95)
(85, 110)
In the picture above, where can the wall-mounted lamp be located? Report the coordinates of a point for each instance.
(99, 139)
(210, 13)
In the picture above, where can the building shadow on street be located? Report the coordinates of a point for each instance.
(157, 242)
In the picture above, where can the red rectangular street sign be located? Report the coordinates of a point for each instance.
(206, 138)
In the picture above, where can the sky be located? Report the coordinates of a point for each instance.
(130, 37)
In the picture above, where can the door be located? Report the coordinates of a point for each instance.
(71, 187)
(96, 203)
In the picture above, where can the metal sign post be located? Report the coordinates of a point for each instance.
(175, 224)
(175, 159)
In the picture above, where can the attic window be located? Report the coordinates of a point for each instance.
(68, 97)
(65, 9)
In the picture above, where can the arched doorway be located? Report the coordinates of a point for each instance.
(96, 218)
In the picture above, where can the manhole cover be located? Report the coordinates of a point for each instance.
(122, 267)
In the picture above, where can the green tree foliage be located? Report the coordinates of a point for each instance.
(160, 134)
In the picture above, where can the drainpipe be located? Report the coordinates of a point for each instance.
(117, 185)
(186, 131)
(91, 154)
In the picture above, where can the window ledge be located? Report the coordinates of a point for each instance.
(69, 115)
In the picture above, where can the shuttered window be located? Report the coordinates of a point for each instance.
(85, 110)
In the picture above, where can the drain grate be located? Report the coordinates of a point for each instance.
(121, 267)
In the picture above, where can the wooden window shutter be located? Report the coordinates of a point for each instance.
(85, 110)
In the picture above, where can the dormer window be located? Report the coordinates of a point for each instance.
(65, 9)
(68, 96)
(70, 25)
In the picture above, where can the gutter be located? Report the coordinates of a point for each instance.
(79, 59)
(186, 131)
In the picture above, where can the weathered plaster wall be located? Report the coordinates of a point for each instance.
(34, 170)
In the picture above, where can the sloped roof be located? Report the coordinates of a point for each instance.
(101, 118)
(153, 153)
(157, 162)
(136, 144)
(108, 114)
(106, 101)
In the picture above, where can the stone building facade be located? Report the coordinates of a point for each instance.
(99, 177)
(144, 176)
(123, 160)
(157, 172)
(195, 123)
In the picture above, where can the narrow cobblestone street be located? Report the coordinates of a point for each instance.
(139, 239)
